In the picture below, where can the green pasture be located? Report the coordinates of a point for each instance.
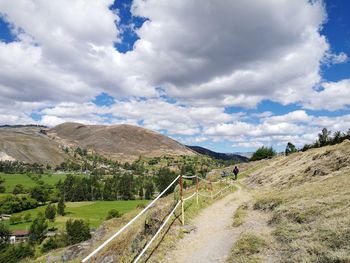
(11, 180)
(94, 211)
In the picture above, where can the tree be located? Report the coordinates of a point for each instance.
(4, 235)
(60, 207)
(323, 137)
(77, 231)
(2, 187)
(263, 153)
(164, 178)
(290, 148)
(38, 229)
(39, 193)
(127, 186)
(113, 213)
(50, 212)
(18, 189)
(141, 192)
(149, 190)
(338, 137)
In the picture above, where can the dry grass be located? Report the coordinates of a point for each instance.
(311, 221)
(247, 249)
(240, 215)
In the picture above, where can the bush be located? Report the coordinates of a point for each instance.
(113, 213)
(50, 212)
(53, 243)
(263, 153)
(77, 231)
(18, 189)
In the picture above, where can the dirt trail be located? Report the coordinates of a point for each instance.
(214, 236)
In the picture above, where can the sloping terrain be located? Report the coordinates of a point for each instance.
(118, 141)
(28, 144)
(297, 210)
(219, 156)
(307, 196)
(121, 142)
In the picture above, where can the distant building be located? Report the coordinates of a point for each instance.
(4, 217)
(19, 236)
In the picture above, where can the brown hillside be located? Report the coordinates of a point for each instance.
(307, 198)
(118, 141)
(28, 144)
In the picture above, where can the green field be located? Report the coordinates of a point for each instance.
(95, 212)
(12, 179)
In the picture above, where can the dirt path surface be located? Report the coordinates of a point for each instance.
(214, 236)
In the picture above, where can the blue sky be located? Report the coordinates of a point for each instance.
(230, 76)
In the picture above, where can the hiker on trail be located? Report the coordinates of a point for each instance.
(235, 172)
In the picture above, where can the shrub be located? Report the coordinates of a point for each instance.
(18, 189)
(53, 243)
(50, 212)
(77, 231)
(113, 213)
(263, 153)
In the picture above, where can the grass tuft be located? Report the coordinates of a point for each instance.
(247, 248)
(240, 215)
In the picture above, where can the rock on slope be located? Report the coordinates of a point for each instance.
(28, 144)
(118, 141)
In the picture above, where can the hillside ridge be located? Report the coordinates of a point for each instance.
(122, 142)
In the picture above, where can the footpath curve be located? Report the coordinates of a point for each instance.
(214, 236)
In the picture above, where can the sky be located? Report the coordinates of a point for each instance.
(227, 75)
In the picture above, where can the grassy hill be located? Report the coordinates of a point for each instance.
(307, 197)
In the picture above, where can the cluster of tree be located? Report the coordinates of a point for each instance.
(17, 167)
(263, 153)
(13, 204)
(164, 178)
(325, 138)
(76, 231)
(117, 187)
